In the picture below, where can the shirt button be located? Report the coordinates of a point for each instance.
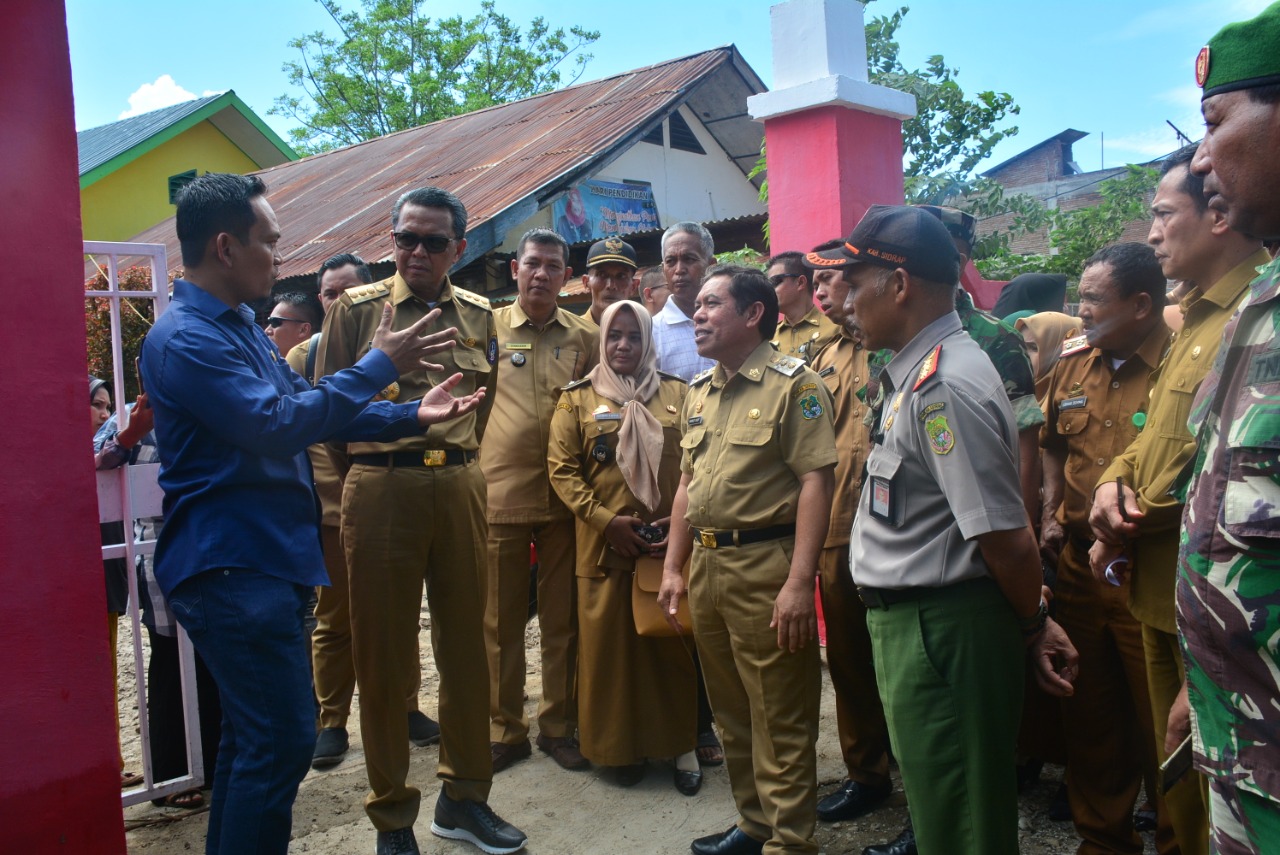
(702, 510)
(1115, 384)
(1101, 461)
(717, 432)
(1107, 422)
(707, 470)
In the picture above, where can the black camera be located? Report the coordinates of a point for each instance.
(651, 533)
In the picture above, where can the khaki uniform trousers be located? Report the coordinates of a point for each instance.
(1188, 801)
(765, 699)
(1107, 722)
(864, 736)
(402, 526)
(333, 671)
(507, 613)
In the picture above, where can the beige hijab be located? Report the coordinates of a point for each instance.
(640, 435)
(1049, 330)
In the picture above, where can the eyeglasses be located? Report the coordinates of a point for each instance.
(775, 281)
(408, 241)
(275, 322)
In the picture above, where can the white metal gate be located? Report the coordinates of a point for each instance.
(131, 493)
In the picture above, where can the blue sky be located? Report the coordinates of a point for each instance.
(1117, 70)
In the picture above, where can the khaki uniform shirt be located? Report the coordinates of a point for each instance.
(348, 333)
(324, 469)
(1089, 416)
(748, 439)
(533, 365)
(945, 468)
(594, 489)
(1153, 462)
(842, 365)
(806, 337)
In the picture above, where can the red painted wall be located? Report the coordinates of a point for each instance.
(59, 769)
(826, 167)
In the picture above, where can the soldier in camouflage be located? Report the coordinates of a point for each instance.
(1228, 587)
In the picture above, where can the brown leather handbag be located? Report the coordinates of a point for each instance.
(649, 618)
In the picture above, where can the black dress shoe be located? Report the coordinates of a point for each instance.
(903, 844)
(852, 800)
(731, 842)
(629, 776)
(688, 783)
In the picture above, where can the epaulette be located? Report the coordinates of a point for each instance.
(585, 381)
(470, 297)
(787, 366)
(365, 293)
(1074, 345)
(929, 367)
(666, 376)
(703, 377)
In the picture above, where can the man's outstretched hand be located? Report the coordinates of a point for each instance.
(410, 347)
(439, 405)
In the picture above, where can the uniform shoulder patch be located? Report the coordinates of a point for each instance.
(1078, 344)
(471, 297)
(365, 293)
(585, 381)
(703, 377)
(929, 367)
(664, 375)
(787, 366)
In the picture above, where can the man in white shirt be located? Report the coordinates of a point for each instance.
(687, 251)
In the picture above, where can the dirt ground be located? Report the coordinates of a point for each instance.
(563, 813)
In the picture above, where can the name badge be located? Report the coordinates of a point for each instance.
(696, 420)
(881, 505)
(1074, 403)
(608, 417)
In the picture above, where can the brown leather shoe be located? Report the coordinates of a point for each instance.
(563, 750)
(504, 755)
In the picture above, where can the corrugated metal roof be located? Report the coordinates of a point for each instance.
(100, 144)
(509, 158)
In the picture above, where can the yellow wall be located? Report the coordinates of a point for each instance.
(136, 196)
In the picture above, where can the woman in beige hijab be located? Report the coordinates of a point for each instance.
(614, 459)
(1044, 334)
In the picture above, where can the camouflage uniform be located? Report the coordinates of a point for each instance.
(1228, 589)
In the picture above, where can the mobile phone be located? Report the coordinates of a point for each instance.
(137, 370)
(1178, 764)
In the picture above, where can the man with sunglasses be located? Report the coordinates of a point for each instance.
(803, 330)
(293, 320)
(413, 513)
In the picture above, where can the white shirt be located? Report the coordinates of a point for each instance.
(673, 343)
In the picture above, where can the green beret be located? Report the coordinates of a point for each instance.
(1242, 55)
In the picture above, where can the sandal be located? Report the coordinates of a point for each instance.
(186, 800)
(129, 779)
(709, 751)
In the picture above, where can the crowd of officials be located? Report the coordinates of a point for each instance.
(1043, 536)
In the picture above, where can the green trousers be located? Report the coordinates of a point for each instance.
(949, 664)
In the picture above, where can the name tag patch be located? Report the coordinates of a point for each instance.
(1073, 403)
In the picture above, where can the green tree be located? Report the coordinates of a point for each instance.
(1076, 234)
(396, 68)
(136, 318)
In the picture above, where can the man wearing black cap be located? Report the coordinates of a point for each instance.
(610, 265)
(1228, 588)
(949, 570)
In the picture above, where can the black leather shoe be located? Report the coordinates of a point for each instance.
(331, 747)
(688, 783)
(629, 776)
(731, 842)
(398, 842)
(852, 800)
(423, 730)
(475, 822)
(903, 844)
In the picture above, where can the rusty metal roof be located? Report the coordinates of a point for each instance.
(504, 162)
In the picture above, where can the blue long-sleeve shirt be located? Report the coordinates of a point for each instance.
(233, 422)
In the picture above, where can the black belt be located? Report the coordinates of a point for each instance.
(741, 537)
(882, 598)
(430, 457)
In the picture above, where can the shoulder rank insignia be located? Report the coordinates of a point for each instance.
(365, 293)
(1075, 345)
(665, 376)
(471, 297)
(928, 368)
(787, 366)
(703, 377)
(585, 381)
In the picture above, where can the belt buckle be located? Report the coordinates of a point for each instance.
(433, 457)
(708, 538)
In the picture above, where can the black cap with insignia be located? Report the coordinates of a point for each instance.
(611, 249)
(896, 236)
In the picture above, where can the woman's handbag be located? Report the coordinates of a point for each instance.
(649, 618)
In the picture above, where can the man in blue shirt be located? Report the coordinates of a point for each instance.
(241, 547)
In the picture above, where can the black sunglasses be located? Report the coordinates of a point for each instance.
(275, 323)
(408, 241)
(775, 281)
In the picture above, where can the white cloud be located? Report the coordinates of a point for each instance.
(152, 96)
